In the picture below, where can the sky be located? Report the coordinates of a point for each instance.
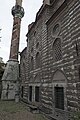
(31, 7)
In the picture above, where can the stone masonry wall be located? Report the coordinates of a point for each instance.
(67, 15)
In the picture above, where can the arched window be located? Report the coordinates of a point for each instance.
(37, 45)
(57, 52)
(37, 60)
(37, 78)
(32, 61)
(56, 30)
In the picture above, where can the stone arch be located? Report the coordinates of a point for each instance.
(56, 30)
(37, 78)
(59, 75)
(59, 83)
(31, 79)
(34, 88)
(57, 49)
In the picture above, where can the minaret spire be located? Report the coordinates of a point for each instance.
(10, 79)
(19, 2)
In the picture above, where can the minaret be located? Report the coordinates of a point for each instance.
(10, 79)
(18, 13)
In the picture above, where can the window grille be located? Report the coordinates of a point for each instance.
(59, 97)
(57, 52)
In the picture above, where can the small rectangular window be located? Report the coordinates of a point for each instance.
(30, 93)
(59, 97)
(37, 94)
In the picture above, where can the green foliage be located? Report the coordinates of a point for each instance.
(40, 117)
(11, 108)
(76, 116)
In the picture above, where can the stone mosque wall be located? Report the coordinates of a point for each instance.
(50, 65)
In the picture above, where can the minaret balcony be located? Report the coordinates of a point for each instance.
(17, 11)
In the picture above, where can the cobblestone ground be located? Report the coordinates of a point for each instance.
(17, 111)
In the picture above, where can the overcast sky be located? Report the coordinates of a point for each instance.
(6, 23)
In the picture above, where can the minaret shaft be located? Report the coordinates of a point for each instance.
(19, 2)
(14, 49)
(18, 13)
(10, 79)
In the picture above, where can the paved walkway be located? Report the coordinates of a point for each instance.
(13, 111)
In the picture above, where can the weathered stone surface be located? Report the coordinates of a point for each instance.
(11, 71)
(10, 79)
(58, 21)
